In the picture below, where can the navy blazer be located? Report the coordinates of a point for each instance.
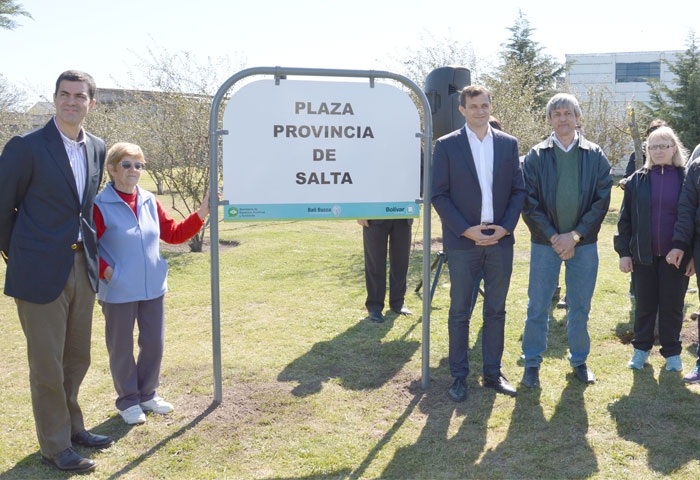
(40, 213)
(456, 194)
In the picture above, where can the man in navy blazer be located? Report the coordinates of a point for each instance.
(478, 191)
(48, 181)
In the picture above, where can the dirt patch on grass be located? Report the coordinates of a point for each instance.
(185, 247)
(435, 244)
(243, 404)
(689, 332)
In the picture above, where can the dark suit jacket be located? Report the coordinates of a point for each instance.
(40, 213)
(456, 192)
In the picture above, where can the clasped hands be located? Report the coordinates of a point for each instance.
(564, 245)
(485, 235)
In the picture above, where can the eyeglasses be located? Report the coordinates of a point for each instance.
(660, 147)
(126, 165)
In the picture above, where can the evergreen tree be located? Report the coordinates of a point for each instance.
(541, 71)
(679, 105)
(9, 9)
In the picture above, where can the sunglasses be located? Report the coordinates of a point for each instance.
(126, 165)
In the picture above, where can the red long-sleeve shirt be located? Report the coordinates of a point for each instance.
(170, 230)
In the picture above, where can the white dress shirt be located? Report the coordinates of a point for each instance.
(78, 162)
(482, 152)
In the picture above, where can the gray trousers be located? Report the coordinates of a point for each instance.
(135, 380)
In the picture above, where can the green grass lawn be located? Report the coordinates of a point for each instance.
(312, 389)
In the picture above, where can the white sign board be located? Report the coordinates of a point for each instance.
(320, 150)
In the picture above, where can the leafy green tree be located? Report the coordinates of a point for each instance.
(538, 72)
(522, 84)
(514, 104)
(680, 105)
(8, 10)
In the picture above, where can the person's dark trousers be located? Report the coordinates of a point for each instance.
(661, 287)
(394, 236)
(496, 265)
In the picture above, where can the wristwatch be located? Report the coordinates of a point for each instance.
(577, 237)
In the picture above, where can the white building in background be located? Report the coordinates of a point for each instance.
(623, 74)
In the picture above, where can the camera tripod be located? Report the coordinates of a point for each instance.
(437, 265)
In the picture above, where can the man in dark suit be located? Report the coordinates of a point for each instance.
(478, 191)
(48, 181)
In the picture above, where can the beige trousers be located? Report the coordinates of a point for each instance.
(58, 348)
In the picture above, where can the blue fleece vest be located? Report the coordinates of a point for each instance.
(132, 248)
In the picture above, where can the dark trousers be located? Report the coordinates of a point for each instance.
(466, 266)
(659, 288)
(396, 233)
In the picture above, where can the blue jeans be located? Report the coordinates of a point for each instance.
(580, 278)
(466, 266)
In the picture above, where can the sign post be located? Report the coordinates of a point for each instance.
(301, 149)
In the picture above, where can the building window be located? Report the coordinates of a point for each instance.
(637, 72)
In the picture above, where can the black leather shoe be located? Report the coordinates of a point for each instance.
(531, 377)
(458, 390)
(403, 310)
(70, 461)
(584, 374)
(87, 439)
(376, 316)
(501, 385)
(562, 303)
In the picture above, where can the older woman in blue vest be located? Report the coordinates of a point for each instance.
(130, 223)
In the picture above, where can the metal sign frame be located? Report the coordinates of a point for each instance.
(215, 132)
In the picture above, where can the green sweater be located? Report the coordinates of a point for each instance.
(567, 187)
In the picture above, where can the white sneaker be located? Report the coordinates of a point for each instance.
(133, 415)
(157, 405)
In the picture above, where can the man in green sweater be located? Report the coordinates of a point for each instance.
(568, 184)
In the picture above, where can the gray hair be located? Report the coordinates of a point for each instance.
(563, 100)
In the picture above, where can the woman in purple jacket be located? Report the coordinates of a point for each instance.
(643, 241)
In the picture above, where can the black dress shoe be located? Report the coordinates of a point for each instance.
(584, 374)
(458, 390)
(402, 310)
(531, 377)
(376, 316)
(501, 385)
(70, 461)
(87, 439)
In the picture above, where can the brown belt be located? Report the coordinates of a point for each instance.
(78, 247)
